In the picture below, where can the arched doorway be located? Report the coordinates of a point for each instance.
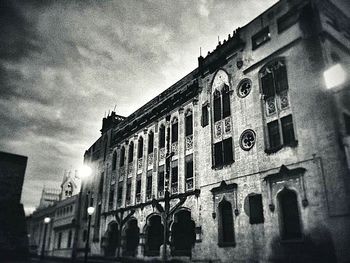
(289, 215)
(132, 237)
(154, 236)
(183, 235)
(112, 236)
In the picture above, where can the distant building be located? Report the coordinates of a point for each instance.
(13, 236)
(252, 144)
(61, 207)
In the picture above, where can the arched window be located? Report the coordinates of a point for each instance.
(122, 156)
(217, 105)
(226, 230)
(174, 130)
(131, 152)
(114, 161)
(188, 124)
(132, 238)
(150, 142)
(222, 127)
(140, 148)
(278, 118)
(162, 136)
(289, 215)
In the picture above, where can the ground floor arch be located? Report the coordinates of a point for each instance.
(153, 235)
(183, 235)
(131, 238)
(112, 239)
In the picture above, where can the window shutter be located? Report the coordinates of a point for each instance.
(189, 166)
(217, 106)
(281, 82)
(226, 109)
(174, 132)
(287, 129)
(189, 125)
(205, 117)
(274, 134)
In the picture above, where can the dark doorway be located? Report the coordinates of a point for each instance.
(183, 234)
(289, 215)
(154, 236)
(226, 230)
(132, 236)
(112, 239)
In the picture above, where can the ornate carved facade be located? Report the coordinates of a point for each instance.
(247, 145)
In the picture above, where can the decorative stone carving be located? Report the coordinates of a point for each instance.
(244, 88)
(228, 125)
(270, 106)
(139, 163)
(247, 140)
(162, 154)
(284, 102)
(130, 168)
(189, 142)
(217, 129)
(175, 148)
(150, 159)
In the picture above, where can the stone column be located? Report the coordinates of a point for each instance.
(181, 151)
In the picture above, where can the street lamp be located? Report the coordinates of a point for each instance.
(85, 171)
(47, 220)
(90, 211)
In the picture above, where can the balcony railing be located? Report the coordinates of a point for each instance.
(162, 154)
(175, 148)
(130, 168)
(139, 164)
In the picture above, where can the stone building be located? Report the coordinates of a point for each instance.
(253, 146)
(13, 236)
(60, 205)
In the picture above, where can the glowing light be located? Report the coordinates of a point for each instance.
(90, 210)
(85, 171)
(47, 220)
(334, 76)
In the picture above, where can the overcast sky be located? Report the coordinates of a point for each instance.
(63, 64)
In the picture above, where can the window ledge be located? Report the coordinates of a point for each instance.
(227, 244)
(223, 166)
(292, 144)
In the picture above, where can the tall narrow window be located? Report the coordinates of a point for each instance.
(120, 194)
(222, 149)
(162, 136)
(97, 221)
(226, 109)
(131, 152)
(69, 240)
(347, 123)
(205, 115)
(59, 240)
(122, 156)
(111, 198)
(189, 172)
(274, 87)
(150, 142)
(226, 230)
(149, 185)
(161, 181)
(114, 161)
(138, 189)
(256, 212)
(289, 215)
(217, 106)
(128, 192)
(174, 177)
(140, 148)
(174, 131)
(188, 124)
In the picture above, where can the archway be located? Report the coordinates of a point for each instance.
(154, 236)
(183, 234)
(289, 215)
(132, 237)
(112, 236)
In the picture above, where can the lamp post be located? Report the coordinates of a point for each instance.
(47, 220)
(90, 211)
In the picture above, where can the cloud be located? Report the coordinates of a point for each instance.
(63, 64)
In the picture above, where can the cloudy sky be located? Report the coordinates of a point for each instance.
(63, 64)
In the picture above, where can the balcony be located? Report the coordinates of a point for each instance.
(175, 148)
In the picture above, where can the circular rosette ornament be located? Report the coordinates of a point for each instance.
(247, 140)
(244, 88)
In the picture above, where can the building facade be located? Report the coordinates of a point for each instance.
(61, 206)
(13, 235)
(252, 145)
